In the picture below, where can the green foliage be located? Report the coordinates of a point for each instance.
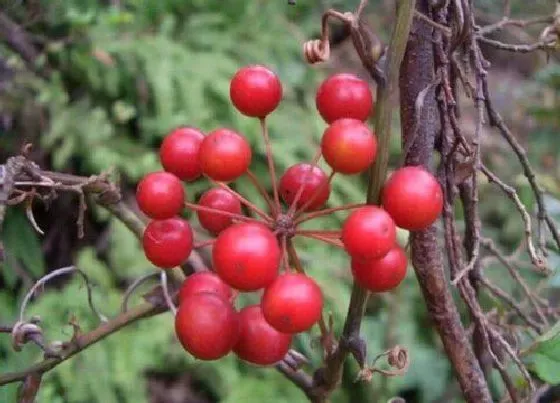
(544, 356)
(22, 247)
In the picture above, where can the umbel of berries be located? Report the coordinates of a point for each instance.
(253, 249)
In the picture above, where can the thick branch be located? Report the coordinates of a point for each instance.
(417, 74)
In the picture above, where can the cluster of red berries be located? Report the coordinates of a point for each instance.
(248, 252)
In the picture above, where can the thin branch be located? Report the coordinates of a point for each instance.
(519, 48)
(83, 341)
(166, 296)
(512, 194)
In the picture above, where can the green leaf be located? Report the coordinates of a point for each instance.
(22, 245)
(545, 356)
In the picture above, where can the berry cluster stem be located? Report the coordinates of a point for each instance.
(198, 207)
(271, 169)
(244, 201)
(293, 206)
(314, 195)
(328, 211)
(260, 188)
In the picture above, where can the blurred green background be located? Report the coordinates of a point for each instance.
(112, 78)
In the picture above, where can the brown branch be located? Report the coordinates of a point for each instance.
(519, 48)
(542, 215)
(427, 258)
(81, 342)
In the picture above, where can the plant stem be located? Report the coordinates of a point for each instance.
(198, 207)
(405, 10)
(328, 211)
(325, 239)
(85, 340)
(334, 233)
(203, 244)
(271, 170)
(302, 209)
(244, 201)
(260, 188)
(301, 187)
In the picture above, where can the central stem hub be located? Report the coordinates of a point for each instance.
(284, 225)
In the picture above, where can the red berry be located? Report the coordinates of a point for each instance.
(369, 233)
(255, 91)
(207, 326)
(383, 274)
(219, 199)
(204, 282)
(224, 155)
(179, 153)
(344, 96)
(246, 256)
(292, 303)
(348, 146)
(413, 197)
(160, 195)
(315, 185)
(259, 343)
(167, 243)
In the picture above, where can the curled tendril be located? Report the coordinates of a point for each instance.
(397, 358)
(316, 50)
(22, 332)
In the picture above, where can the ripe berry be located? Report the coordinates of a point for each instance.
(292, 303)
(179, 153)
(224, 155)
(160, 195)
(204, 282)
(207, 326)
(219, 199)
(369, 233)
(246, 256)
(315, 184)
(167, 243)
(413, 197)
(383, 274)
(255, 91)
(259, 343)
(344, 96)
(348, 146)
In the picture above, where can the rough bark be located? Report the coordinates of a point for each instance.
(417, 73)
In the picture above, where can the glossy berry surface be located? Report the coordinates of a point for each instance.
(413, 197)
(316, 186)
(207, 326)
(292, 303)
(219, 199)
(204, 282)
(246, 256)
(179, 153)
(344, 96)
(368, 233)
(348, 146)
(160, 195)
(224, 155)
(167, 243)
(259, 343)
(255, 91)
(383, 274)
